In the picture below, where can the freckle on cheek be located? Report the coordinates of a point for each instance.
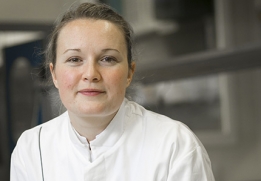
(67, 79)
(68, 85)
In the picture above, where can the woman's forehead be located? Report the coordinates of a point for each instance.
(88, 27)
(89, 24)
(91, 32)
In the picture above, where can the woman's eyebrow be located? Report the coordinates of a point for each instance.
(73, 49)
(110, 49)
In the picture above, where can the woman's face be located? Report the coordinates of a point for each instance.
(91, 71)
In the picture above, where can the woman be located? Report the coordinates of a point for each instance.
(102, 135)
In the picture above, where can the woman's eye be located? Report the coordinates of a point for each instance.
(108, 60)
(74, 60)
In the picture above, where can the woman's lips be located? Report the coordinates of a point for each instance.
(91, 92)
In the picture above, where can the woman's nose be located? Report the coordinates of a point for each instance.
(91, 72)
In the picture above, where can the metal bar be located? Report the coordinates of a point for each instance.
(198, 64)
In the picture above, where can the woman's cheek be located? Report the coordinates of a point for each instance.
(68, 79)
(120, 81)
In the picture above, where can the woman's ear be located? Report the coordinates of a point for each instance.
(53, 75)
(131, 73)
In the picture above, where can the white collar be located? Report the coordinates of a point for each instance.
(106, 138)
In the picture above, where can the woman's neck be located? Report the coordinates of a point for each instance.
(89, 127)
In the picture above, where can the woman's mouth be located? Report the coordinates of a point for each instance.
(91, 92)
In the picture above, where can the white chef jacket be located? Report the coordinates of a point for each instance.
(138, 145)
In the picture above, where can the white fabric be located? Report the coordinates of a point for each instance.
(138, 145)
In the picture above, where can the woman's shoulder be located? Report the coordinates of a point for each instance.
(163, 126)
(52, 126)
(152, 117)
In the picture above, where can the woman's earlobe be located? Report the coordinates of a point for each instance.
(132, 70)
(128, 81)
(53, 75)
(131, 73)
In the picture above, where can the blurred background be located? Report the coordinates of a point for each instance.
(198, 61)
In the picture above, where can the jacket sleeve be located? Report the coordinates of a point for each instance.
(25, 158)
(193, 166)
(17, 170)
